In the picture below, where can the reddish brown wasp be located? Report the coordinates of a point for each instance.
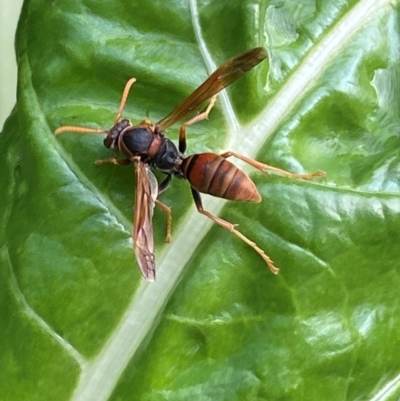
(145, 146)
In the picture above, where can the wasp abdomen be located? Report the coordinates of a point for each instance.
(212, 174)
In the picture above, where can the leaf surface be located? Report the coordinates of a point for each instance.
(79, 322)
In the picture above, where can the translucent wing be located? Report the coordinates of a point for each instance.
(143, 241)
(227, 73)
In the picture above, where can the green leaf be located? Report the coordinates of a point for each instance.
(78, 322)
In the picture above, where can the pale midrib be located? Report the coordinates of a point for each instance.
(388, 391)
(99, 378)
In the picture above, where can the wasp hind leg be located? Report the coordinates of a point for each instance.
(265, 167)
(230, 227)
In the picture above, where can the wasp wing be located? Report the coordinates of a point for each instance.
(143, 241)
(223, 76)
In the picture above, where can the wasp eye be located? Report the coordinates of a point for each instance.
(108, 141)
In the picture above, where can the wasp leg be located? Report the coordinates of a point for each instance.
(125, 94)
(230, 227)
(113, 160)
(265, 167)
(164, 184)
(161, 188)
(167, 210)
(199, 117)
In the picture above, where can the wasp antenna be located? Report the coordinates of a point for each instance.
(79, 130)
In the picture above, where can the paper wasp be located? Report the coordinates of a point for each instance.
(145, 146)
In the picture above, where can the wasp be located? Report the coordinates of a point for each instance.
(146, 147)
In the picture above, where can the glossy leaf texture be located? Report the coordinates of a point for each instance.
(78, 322)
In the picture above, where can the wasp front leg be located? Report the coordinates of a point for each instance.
(114, 160)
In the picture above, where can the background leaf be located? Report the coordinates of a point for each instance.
(79, 322)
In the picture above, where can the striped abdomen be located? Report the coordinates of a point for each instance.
(212, 174)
